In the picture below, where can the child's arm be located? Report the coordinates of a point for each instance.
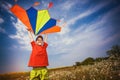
(45, 38)
(30, 35)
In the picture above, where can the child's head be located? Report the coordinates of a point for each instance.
(39, 40)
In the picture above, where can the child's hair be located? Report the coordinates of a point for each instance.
(40, 36)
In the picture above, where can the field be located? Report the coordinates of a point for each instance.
(104, 70)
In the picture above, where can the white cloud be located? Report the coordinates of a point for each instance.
(44, 4)
(1, 20)
(12, 18)
(21, 36)
(68, 5)
(88, 12)
(2, 30)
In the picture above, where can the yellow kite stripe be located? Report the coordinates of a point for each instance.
(42, 18)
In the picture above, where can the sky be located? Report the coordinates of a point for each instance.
(91, 28)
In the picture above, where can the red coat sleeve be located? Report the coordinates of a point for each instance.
(45, 45)
(33, 44)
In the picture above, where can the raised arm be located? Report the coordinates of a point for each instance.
(45, 38)
(30, 36)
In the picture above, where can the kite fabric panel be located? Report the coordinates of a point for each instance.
(32, 14)
(52, 30)
(42, 18)
(22, 15)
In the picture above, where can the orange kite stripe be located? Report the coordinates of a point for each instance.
(52, 30)
(21, 14)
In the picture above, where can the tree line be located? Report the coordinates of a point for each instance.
(113, 53)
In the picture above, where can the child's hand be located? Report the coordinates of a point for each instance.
(28, 29)
(45, 34)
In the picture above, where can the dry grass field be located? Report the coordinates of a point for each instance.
(104, 70)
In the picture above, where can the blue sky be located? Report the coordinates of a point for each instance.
(92, 27)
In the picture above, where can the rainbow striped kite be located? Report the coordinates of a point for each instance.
(39, 21)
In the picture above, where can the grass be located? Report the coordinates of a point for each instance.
(104, 70)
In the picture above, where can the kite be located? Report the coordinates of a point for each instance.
(36, 3)
(50, 5)
(39, 21)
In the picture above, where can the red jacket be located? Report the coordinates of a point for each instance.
(38, 56)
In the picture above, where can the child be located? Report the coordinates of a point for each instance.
(38, 59)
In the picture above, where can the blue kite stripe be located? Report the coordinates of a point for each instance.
(49, 24)
(32, 14)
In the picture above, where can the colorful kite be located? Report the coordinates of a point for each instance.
(39, 21)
